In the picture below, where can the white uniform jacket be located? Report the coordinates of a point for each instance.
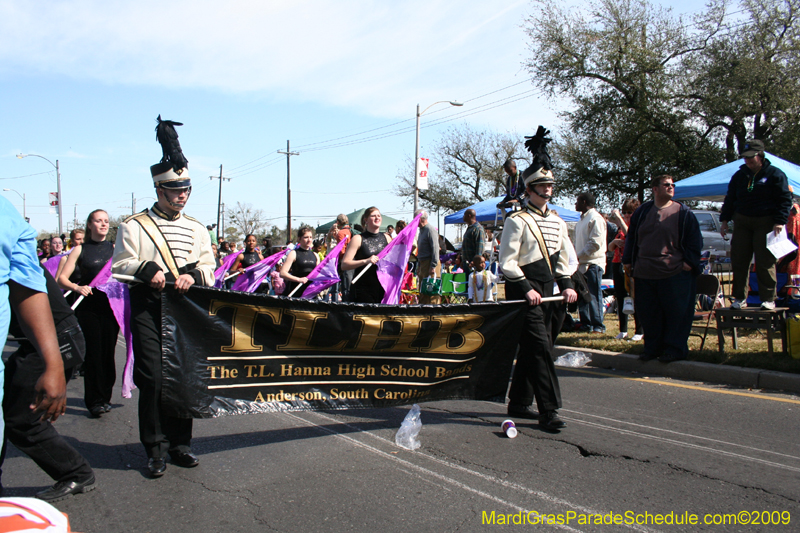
(521, 256)
(152, 240)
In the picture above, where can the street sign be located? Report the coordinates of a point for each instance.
(53, 202)
(422, 179)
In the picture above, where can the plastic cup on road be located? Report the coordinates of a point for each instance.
(509, 428)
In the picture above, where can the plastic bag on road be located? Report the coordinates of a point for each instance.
(407, 434)
(573, 359)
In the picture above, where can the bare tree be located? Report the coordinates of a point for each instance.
(246, 219)
(466, 167)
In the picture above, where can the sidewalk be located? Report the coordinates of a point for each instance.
(691, 370)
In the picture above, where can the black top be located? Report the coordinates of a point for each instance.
(368, 289)
(371, 244)
(94, 256)
(249, 259)
(63, 315)
(758, 195)
(304, 262)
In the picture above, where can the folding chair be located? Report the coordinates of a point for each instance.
(708, 286)
(460, 288)
(447, 287)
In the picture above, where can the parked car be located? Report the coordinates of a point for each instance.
(709, 227)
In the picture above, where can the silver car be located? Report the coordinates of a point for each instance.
(710, 227)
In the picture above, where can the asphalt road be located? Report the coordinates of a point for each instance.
(635, 448)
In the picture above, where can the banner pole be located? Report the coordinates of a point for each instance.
(295, 289)
(226, 278)
(77, 302)
(553, 299)
(125, 277)
(361, 274)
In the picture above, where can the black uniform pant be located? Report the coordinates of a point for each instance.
(159, 433)
(534, 373)
(37, 439)
(100, 329)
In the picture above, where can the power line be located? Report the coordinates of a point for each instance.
(364, 132)
(259, 167)
(28, 175)
(332, 142)
(457, 116)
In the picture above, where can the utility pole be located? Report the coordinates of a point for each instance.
(221, 230)
(60, 200)
(219, 200)
(75, 217)
(289, 154)
(133, 204)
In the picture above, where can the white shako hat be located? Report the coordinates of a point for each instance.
(172, 172)
(541, 169)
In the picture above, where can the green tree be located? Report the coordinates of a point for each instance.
(466, 167)
(745, 82)
(621, 67)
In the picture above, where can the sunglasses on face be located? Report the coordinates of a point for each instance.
(668, 185)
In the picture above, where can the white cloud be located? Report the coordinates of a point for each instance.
(372, 56)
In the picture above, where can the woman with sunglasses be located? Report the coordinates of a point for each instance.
(623, 285)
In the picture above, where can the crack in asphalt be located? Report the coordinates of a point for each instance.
(683, 470)
(585, 452)
(239, 494)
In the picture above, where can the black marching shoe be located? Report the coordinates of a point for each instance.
(62, 489)
(97, 411)
(185, 459)
(550, 421)
(106, 407)
(157, 467)
(671, 357)
(522, 411)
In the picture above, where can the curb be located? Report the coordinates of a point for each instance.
(691, 370)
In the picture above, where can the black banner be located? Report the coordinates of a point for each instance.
(235, 353)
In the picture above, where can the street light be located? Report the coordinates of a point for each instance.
(416, 153)
(134, 200)
(24, 215)
(58, 186)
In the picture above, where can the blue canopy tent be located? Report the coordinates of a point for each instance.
(487, 209)
(712, 185)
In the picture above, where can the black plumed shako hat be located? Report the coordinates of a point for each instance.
(172, 172)
(541, 168)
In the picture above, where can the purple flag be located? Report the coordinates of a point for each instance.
(222, 271)
(52, 264)
(119, 300)
(255, 274)
(392, 262)
(325, 273)
(103, 276)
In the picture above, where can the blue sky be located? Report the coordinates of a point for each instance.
(82, 81)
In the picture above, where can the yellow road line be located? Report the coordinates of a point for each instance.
(682, 386)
